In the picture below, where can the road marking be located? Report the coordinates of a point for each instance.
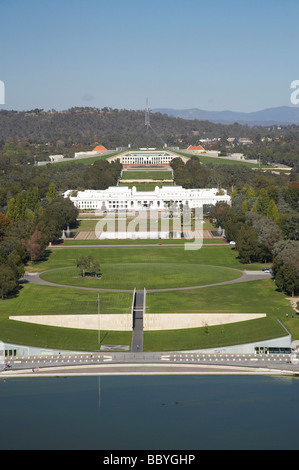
(107, 358)
(165, 358)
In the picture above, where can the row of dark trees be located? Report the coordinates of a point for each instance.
(16, 180)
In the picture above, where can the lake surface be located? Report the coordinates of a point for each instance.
(149, 413)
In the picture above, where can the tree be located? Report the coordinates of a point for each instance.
(263, 202)
(87, 264)
(4, 224)
(63, 211)
(273, 212)
(51, 194)
(247, 244)
(287, 279)
(290, 226)
(8, 281)
(81, 263)
(34, 245)
(286, 266)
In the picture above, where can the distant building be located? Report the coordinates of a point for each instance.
(125, 198)
(100, 148)
(146, 157)
(245, 141)
(56, 158)
(198, 148)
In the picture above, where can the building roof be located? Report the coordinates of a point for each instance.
(198, 147)
(100, 148)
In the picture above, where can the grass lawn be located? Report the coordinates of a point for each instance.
(144, 275)
(212, 255)
(248, 297)
(37, 300)
(145, 186)
(147, 175)
(216, 336)
(252, 297)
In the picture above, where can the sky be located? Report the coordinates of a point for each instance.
(214, 55)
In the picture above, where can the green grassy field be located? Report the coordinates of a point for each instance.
(144, 275)
(144, 186)
(43, 300)
(147, 175)
(252, 297)
(210, 337)
(212, 256)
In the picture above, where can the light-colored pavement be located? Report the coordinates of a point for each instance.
(178, 363)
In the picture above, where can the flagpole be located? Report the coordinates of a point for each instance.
(99, 319)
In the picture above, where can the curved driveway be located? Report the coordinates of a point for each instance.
(246, 276)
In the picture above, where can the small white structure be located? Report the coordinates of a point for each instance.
(92, 153)
(126, 199)
(56, 158)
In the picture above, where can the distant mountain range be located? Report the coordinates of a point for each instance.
(282, 115)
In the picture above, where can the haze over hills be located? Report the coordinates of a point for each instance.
(282, 115)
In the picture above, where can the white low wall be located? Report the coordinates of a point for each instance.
(152, 322)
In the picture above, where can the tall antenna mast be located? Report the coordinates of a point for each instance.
(147, 115)
(148, 126)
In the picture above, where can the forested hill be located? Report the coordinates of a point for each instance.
(114, 128)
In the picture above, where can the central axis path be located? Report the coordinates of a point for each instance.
(138, 311)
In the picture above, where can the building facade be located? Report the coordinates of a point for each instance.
(117, 198)
(145, 157)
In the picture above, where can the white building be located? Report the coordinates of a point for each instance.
(125, 198)
(145, 157)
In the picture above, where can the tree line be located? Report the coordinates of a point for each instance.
(263, 218)
(26, 230)
(265, 228)
(33, 211)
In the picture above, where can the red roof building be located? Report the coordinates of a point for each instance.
(198, 148)
(100, 148)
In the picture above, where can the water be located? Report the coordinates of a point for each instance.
(149, 413)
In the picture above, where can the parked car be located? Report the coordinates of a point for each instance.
(267, 270)
(232, 243)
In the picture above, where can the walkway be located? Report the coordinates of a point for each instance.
(138, 312)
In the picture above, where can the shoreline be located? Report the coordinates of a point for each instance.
(143, 369)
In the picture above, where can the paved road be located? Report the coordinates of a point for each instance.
(151, 363)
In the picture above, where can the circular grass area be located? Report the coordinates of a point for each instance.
(144, 275)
